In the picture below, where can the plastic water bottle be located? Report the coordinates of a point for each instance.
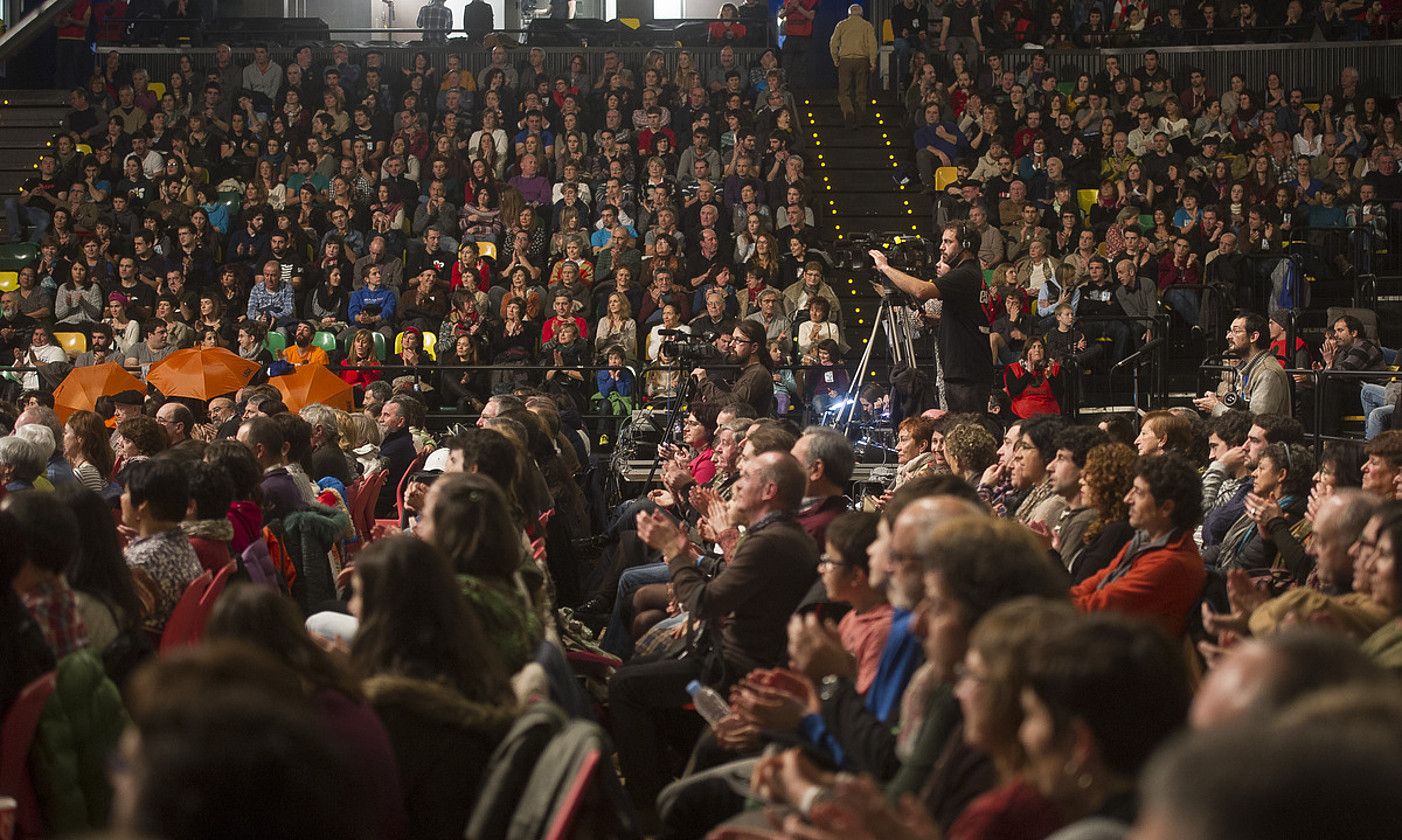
(709, 704)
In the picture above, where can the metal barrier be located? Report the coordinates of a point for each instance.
(161, 61)
(1317, 377)
(1314, 66)
(1150, 352)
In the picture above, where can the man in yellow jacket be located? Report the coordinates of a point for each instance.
(853, 48)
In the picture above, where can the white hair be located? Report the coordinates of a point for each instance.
(41, 437)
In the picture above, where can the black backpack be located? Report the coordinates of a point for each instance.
(549, 771)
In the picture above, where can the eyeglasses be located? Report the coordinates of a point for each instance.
(826, 561)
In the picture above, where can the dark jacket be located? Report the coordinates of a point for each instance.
(755, 386)
(24, 654)
(1097, 553)
(329, 460)
(398, 452)
(442, 743)
(761, 585)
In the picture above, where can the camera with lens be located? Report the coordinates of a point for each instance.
(911, 254)
(689, 350)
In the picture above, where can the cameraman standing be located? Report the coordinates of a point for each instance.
(963, 330)
(754, 384)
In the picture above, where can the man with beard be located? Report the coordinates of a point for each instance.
(397, 448)
(153, 349)
(963, 333)
(1073, 443)
(754, 384)
(1259, 383)
(100, 348)
(302, 351)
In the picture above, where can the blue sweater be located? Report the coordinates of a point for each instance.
(900, 658)
(624, 385)
(383, 297)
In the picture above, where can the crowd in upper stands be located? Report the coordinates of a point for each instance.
(346, 212)
(1125, 205)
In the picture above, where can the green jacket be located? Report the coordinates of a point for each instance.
(78, 732)
(1385, 646)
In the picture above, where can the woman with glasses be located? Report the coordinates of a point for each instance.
(1382, 574)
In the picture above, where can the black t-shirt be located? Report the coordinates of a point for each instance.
(963, 343)
(914, 19)
(46, 203)
(961, 19)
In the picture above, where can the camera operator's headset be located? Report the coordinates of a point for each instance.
(967, 237)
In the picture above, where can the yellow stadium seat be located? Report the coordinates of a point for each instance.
(944, 176)
(430, 344)
(1086, 198)
(83, 149)
(9, 281)
(887, 33)
(487, 250)
(72, 343)
(158, 88)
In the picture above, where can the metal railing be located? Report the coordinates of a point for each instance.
(1317, 378)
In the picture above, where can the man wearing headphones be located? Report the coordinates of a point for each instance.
(963, 332)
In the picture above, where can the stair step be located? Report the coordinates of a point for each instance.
(49, 119)
(884, 224)
(887, 202)
(40, 98)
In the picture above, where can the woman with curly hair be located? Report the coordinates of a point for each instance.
(969, 449)
(1105, 481)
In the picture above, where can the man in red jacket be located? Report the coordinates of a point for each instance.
(1160, 574)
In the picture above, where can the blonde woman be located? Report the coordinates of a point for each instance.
(617, 327)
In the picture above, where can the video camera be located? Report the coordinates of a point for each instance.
(685, 348)
(911, 254)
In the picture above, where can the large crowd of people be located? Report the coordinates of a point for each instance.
(389, 222)
(1165, 625)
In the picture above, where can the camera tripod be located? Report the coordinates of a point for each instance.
(901, 347)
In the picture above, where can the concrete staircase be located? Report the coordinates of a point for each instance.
(29, 120)
(856, 175)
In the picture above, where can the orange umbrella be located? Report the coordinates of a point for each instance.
(314, 384)
(201, 373)
(80, 389)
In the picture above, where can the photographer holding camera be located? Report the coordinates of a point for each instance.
(1259, 383)
(963, 330)
(754, 384)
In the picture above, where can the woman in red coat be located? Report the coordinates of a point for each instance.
(360, 354)
(1034, 384)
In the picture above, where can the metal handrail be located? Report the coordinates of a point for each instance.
(1316, 375)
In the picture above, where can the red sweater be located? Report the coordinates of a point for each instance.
(1160, 584)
